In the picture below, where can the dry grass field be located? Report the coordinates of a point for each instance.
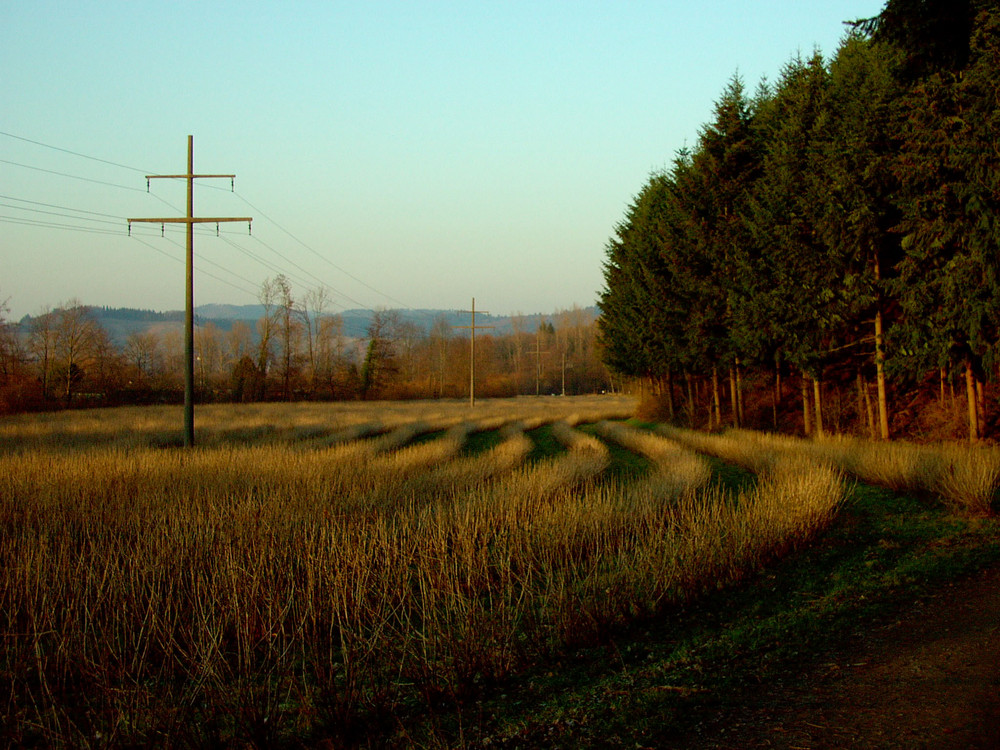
(328, 573)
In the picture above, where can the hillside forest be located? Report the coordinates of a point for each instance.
(825, 254)
(296, 350)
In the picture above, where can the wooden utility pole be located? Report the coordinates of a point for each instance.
(190, 221)
(472, 356)
(538, 358)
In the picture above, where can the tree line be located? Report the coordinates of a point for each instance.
(837, 228)
(297, 349)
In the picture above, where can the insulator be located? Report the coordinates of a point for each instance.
(216, 229)
(162, 234)
(249, 228)
(147, 184)
(130, 229)
(232, 184)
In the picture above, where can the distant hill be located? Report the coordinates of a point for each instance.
(121, 322)
(356, 321)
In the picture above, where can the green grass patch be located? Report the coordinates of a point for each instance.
(625, 465)
(427, 437)
(730, 477)
(545, 444)
(480, 442)
(651, 681)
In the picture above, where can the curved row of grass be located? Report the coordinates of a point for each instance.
(965, 477)
(284, 593)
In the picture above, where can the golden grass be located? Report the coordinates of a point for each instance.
(967, 478)
(678, 470)
(258, 593)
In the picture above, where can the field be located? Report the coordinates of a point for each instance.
(378, 574)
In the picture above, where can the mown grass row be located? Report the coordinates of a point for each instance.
(283, 593)
(319, 424)
(967, 478)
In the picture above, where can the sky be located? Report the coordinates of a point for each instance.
(402, 154)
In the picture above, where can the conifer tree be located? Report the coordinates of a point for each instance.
(859, 183)
(949, 278)
(785, 271)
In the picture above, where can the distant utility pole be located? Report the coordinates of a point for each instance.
(564, 373)
(472, 358)
(190, 221)
(538, 358)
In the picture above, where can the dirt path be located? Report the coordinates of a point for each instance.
(930, 679)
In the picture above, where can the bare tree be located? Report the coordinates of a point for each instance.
(289, 328)
(141, 349)
(329, 347)
(41, 343)
(408, 336)
(10, 347)
(172, 349)
(313, 311)
(269, 296)
(380, 359)
(440, 336)
(76, 344)
(239, 342)
(208, 350)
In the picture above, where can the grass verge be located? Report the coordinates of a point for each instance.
(652, 683)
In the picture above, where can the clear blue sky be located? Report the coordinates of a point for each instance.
(405, 154)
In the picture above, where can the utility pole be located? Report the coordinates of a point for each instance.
(564, 373)
(472, 356)
(190, 221)
(538, 358)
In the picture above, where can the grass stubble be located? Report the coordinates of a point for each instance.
(965, 477)
(286, 592)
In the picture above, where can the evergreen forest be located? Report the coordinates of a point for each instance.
(825, 254)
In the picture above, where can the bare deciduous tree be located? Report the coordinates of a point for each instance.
(313, 310)
(141, 349)
(76, 344)
(380, 358)
(269, 296)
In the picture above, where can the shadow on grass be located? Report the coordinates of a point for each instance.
(653, 682)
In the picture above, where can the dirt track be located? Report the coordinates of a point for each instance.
(930, 679)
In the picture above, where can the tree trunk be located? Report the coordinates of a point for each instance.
(883, 404)
(741, 417)
(981, 407)
(818, 398)
(716, 402)
(860, 387)
(734, 397)
(776, 396)
(690, 390)
(869, 411)
(806, 414)
(970, 397)
(941, 400)
(670, 394)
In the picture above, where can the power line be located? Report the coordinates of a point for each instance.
(64, 208)
(323, 257)
(333, 289)
(269, 266)
(57, 213)
(74, 153)
(55, 225)
(27, 221)
(200, 269)
(71, 176)
(165, 202)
